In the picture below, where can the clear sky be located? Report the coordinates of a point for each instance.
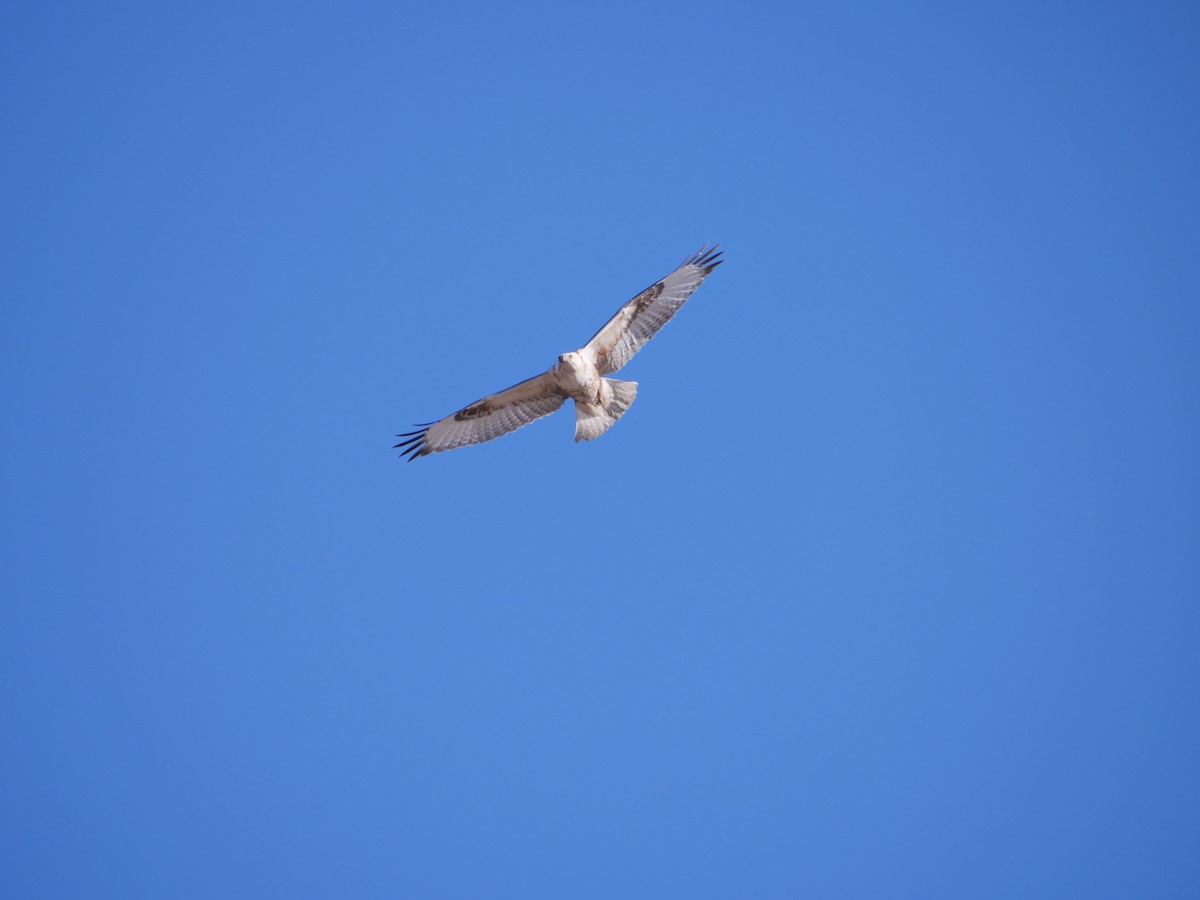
(886, 586)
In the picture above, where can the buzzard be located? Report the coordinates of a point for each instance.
(577, 375)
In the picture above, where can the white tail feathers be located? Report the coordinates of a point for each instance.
(593, 419)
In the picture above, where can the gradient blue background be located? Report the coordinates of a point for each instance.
(886, 587)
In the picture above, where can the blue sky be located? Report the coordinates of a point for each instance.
(886, 585)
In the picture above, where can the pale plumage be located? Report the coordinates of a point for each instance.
(577, 375)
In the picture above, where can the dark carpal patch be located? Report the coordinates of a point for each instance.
(646, 297)
(474, 411)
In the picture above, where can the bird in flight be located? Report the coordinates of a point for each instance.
(577, 375)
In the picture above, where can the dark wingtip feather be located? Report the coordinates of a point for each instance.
(706, 258)
(416, 450)
(415, 445)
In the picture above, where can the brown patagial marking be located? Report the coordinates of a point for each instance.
(474, 411)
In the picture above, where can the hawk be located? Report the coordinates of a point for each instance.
(577, 375)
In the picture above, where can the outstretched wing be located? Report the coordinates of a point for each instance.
(494, 415)
(641, 318)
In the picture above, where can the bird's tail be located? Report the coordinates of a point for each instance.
(593, 419)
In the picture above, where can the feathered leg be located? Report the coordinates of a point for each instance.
(593, 419)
